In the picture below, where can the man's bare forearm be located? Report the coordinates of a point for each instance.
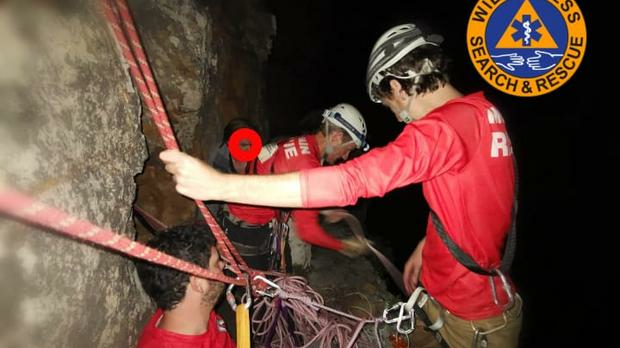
(196, 179)
(270, 190)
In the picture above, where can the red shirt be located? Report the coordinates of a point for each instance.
(215, 336)
(292, 155)
(462, 155)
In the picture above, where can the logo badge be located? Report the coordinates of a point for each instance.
(526, 47)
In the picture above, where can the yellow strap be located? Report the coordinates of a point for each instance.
(243, 327)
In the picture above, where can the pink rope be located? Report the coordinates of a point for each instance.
(313, 321)
(150, 97)
(20, 206)
(120, 20)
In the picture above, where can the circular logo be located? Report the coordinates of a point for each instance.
(526, 47)
(244, 144)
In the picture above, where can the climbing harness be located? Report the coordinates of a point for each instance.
(407, 313)
(237, 231)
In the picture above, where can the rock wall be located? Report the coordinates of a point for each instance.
(72, 135)
(174, 35)
(208, 58)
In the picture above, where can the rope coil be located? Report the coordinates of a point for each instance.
(295, 316)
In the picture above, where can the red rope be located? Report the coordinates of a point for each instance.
(25, 208)
(120, 20)
(119, 17)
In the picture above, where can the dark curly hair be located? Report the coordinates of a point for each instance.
(166, 286)
(414, 60)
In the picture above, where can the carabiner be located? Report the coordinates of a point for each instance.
(230, 297)
(387, 311)
(232, 301)
(270, 292)
(248, 294)
(507, 289)
(403, 315)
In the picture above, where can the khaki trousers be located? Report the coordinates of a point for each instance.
(502, 331)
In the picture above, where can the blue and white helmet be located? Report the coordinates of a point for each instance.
(347, 117)
(391, 47)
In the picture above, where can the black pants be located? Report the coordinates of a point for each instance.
(252, 243)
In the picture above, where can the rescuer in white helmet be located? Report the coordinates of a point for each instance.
(253, 228)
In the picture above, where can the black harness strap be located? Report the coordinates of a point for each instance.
(421, 314)
(509, 246)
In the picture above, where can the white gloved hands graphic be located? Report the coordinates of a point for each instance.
(508, 61)
(542, 60)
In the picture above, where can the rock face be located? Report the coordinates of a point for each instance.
(174, 35)
(72, 135)
(208, 58)
(71, 138)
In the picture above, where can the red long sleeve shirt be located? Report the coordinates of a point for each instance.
(215, 336)
(462, 155)
(292, 155)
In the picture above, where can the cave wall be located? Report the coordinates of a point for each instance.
(71, 138)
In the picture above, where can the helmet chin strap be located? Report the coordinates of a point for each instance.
(427, 68)
(404, 114)
(328, 146)
(405, 117)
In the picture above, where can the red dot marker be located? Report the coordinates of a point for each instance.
(238, 150)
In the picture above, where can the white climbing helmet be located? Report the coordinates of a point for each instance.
(393, 45)
(347, 117)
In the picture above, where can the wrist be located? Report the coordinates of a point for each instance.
(219, 184)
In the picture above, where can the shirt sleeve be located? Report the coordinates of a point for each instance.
(425, 149)
(310, 231)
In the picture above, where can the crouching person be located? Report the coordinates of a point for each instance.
(185, 316)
